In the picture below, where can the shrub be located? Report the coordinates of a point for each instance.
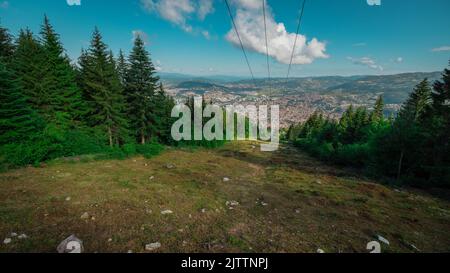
(150, 150)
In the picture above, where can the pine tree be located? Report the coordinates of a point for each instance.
(65, 107)
(122, 67)
(419, 102)
(6, 44)
(18, 122)
(27, 63)
(163, 105)
(438, 144)
(377, 114)
(141, 84)
(102, 90)
(408, 133)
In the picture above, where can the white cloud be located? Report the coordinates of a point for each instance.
(440, 49)
(205, 7)
(179, 12)
(366, 61)
(250, 24)
(158, 66)
(206, 34)
(144, 36)
(73, 2)
(374, 2)
(4, 5)
(399, 60)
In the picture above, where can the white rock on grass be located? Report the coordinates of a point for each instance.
(85, 216)
(22, 237)
(320, 251)
(68, 198)
(13, 234)
(7, 241)
(226, 179)
(382, 239)
(152, 246)
(232, 203)
(165, 212)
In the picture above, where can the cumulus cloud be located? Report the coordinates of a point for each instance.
(366, 61)
(249, 21)
(205, 7)
(73, 2)
(440, 49)
(179, 12)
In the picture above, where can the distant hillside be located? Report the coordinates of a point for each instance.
(394, 87)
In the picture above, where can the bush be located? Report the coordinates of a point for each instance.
(353, 155)
(129, 149)
(150, 150)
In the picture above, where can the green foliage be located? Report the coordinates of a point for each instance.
(150, 150)
(17, 120)
(103, 91)
(6, 45)
(62, 102)
(413, 148)
(140, 88)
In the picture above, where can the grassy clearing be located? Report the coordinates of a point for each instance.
(288, 202)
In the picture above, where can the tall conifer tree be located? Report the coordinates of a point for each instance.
(65, 106)
(18, 122)
(141, 85)
(102, 90)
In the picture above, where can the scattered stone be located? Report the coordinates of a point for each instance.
(319, 182)
(13, 234)
(68, 198)
(190, 216)
(93, 218)
(151, 178)
(7, 241)
(146, 165)
(130, 251)
(170, 166)
(164, 212)
(152, 246)
(85, 216)
(110, 240)
(232, 203)
(22, 237)
(297, 211)
(264, 204)
(320, 251)
(203, 210)
(253, 147)
(71, 245)
(226, 179)
(382, 239)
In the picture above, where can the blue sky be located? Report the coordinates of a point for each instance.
(338, 37)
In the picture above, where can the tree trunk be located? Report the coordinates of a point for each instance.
(142, 137)
(399, 172)
(111, 142)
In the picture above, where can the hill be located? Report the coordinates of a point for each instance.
(269, 202)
